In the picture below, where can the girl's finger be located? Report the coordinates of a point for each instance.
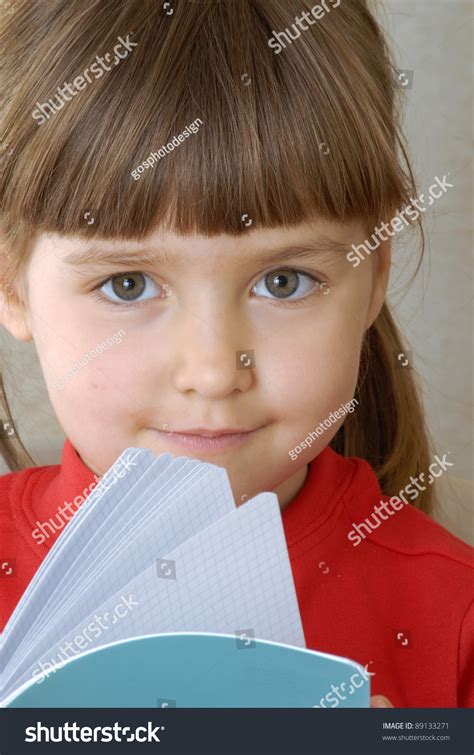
(380, 701)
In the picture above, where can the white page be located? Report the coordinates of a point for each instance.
(235, 575)
(105, 501)
(193, 508)
(27, 603)
(194, 503)
(105, 505)
(148, 497)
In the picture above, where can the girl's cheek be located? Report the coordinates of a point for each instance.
(326, 374)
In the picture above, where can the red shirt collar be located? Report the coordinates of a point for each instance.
(315, 505)
(329, 475)
(72, 479)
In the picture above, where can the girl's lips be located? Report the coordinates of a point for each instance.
(202, 443)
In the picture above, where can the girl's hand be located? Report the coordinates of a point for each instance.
(380, 701)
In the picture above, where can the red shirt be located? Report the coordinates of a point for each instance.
(400, 602)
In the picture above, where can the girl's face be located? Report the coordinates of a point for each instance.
(259, 333)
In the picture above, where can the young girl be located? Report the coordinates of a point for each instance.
(196, 177)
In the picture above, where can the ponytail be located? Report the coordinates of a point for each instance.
(388, 429)
(12, 449)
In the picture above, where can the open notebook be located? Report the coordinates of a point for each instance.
(160, 584)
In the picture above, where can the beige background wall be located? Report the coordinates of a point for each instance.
(434, 39)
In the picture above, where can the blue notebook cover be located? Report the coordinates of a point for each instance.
(192, 670)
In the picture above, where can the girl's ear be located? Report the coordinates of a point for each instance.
(14, 314)
(381, 261)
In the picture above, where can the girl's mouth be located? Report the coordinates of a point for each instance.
(202, 439)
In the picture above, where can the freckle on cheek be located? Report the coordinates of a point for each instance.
(98, 386)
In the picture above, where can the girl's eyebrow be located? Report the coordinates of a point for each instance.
(128, 260)
(319, 247)
(96, 256)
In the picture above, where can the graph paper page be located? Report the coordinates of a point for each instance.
(234, 577)
(195, 508)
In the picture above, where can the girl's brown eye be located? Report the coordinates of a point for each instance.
(284, 284)
(129, 287)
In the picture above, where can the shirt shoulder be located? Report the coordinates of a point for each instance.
(19, 494)
(21, 555)
(401, 529)
(425, 569)
(17, 489)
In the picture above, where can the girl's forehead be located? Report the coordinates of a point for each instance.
(319, 237)
(318, 229)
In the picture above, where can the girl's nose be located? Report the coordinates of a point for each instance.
(210, 356)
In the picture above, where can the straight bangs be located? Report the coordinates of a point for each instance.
(280, 138)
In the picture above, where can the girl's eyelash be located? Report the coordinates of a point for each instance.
(118, 275)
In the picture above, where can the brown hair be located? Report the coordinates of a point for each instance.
(257, 152)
